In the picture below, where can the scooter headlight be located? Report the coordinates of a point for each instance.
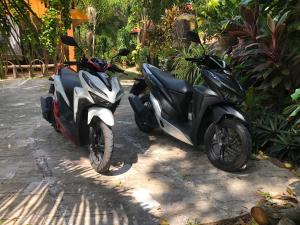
(100, 101)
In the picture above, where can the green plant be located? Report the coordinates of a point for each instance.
(275, 135)
(18, 14)
(54, 24)
(141, 55)
(187, 70)
(253, 102)
(293, 110)
(50, 31)
(263, 54)
(214, 15)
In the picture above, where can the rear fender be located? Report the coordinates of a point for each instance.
(103, 114)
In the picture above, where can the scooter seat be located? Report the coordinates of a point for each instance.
(69, 80)
(169, 81)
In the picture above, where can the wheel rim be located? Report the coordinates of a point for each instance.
(226, 145)
(96, 144)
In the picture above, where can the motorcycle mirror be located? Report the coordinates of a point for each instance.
(194, 37)
(67, 40)
(123, 52)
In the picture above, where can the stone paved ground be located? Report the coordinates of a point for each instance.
(44, 179)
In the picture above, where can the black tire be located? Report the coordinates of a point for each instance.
(100, 153)
(239, 153)
(142, 123)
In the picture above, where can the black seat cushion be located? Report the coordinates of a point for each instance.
(69, 80)
(169, 81)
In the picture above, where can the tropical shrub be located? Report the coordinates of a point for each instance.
(263, 55)
(275, 135)
(293, 110)
(142, 55)
(214, 15)
(253, 103)
(187, 70)
(18, 13)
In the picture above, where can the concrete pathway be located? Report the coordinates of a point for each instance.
(44, 179)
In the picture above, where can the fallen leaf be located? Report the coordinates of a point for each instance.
(288, 165)
(259, 215)
(119, 184)
(290, 191)
(163, 222)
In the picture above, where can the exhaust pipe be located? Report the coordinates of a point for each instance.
(136, 104)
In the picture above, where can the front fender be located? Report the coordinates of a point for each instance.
(226, 110)
(220, 111)
(103, 114)
(214, 115)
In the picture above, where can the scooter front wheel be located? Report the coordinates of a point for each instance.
(228, 145)
(100, 145)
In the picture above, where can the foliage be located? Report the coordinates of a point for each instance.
(104, 44)
(187, 70)
(263, 55)
(50, 31)
(153, 9)
(141, 55)
(253, 103)
(214, 15)
(161, 37)
(17, 13)
(293, 110)
(54, 24)
(277, 136)
(39, 37)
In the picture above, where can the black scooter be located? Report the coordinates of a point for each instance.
(202, 114)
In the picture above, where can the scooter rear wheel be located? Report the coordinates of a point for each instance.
(100, 145)
(228, 145)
